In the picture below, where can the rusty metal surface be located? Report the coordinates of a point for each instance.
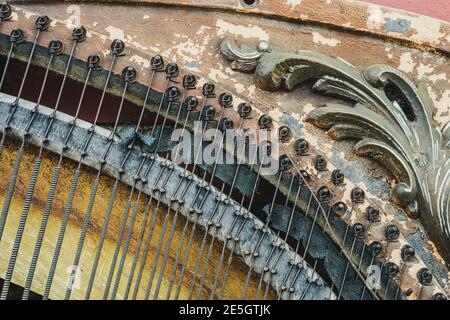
(359, 33)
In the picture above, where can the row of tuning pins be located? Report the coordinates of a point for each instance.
(372, 215)
(341, 211)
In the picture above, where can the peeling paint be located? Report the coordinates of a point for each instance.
(424, 70)
(115, 33)
(375, 17)
(145, 63)
(441, 105)
(406, 63)
(318, 38)
(239, 30)
(14, 16)
(294, 3)
(397, 25)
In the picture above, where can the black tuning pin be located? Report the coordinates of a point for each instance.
(129, 74)
(172, 71)
(376, 248)
(172, 94)
(301, 147)
(5, 12)
(157, 63)
(303, 177)
(208, 90)
(191, 103)
(285, 163)
(244, 109)
(208, 112)
(189, 82)
(425, 276)
(320, 163)
(358, 230)
(17, 36)
(392, 269)
(358, 195)
(373, 214)
(55, 47)
(284, 134)
(42, 23)
(408, 253)
(439, 296)
(324, 194)
(93, 62)
(340, 209)
(265, 122)
(226, 124)
(337, 177)
(392, 232)
(225, 100)
(117, 47)
(79, 34)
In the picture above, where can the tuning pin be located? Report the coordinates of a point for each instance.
(303, 177)
(425, 276)
(265, 122)
(225, 100)
(157, 63)
(55, 47)
(172, 94)
(208, 90)
(189, 82)
(285, 162)
(337, 177)
(172, 70)
(392, 232)
(244, 109)
(392, 269)
(439, 296)
(93, 61)
(208, 112)
(284, 134)
(320, 163)
(117, 47)
(191, 103)
(324, 194)
(129, 74)
(339, 209)
(358, 195)
(373, 214)
(17, 36)
(5, 12)
(79, 34)
(226, 124)
(407, 253)
(301, 147)
(42, 23)
(376, 248)
(358, 230)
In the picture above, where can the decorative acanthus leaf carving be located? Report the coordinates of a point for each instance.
(391, 118)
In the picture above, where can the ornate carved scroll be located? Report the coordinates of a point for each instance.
(390, 117)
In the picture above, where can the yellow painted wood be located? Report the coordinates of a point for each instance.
(236, 277)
